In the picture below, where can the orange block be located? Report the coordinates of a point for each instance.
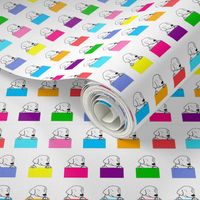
(48, 92)
(155, 16)
(60, 56)
(161, 95)
(197, 92)
(128, 143)
(58, 6)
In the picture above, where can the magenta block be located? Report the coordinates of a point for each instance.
(3, 116)
(55, 35)
(161, 117)
(75, 172)
(160, 48)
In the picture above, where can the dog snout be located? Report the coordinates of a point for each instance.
(47, 163)
(118, 164)
(156, 195)
(143, 100)
(33, 135)
(36, 109)
(119, 195)
(82, 163)
(198, 110)
(12, 163)
(82, 195)
(193, 195)
(168, 136)
(44, 194)
(8, 194)
(162, 82)
(153, 164)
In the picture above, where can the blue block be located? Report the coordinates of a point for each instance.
(129, 3)
(195, 62)
(138, 30)
(183, 173)
(192, 144)
(16, 92)
(15, 64)
(94, 143)
(97, 27)
(103, 1)
(4, 44)
(122, 82)
(17, 9)
(101, 61)
(26, 143)
(178, 93)
(40, 71)
(112, 34)
(41, 18)
(86, 119)
(8, 172)
(142, 113)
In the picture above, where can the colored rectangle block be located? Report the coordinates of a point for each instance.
(40, 71)
(28, 116)
(40, 172)
(129, 20)
(164, 144)
(120, 45)
(128, 3)
(114, 14)
(75, 172)
(84, 75)
(94, 143)
(55, 35)
(161, 94)
(128, 144)
(179, 93)
(2, 142)
(14, 92)
(62, 116)
(17, 9)
(171, 3)
(142, 113)
(93, 49)
(197, 92)
(90, 9)
(36, 49)
(43, 92)
(3, 19)
(79, 41)
(161, 117)
(142, 65)
(86, 118)
(145, 7)
(137, 31)
(112, 33)
(197, 72)
(147, 173)
(58, 77)
(195, 62)
(191, 117)
(3, 116)
(60, 56)
(8, 172)
(21, 32)
(111, 172)
(193, 19)
(75, 92)
(160, 48)
(73, 22)
(40, 19)
(60, 143)
(74, 64)
(25, 143)
(180, 76)
(155, 16)
(183, 173)
(177, 33)
(192, 143)
(4, 44)
(97, 27)
(16, 63)
(101, 61)
(58, 6)
(122, 82)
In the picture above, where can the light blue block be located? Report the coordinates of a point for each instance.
(178, 93)
(142, 113)
(192, 144)
(112, 34)
(101, 61)
(41, 18)
(25, 143)
(16, 92)
(4, 44)
(97, 27)
(195, 62)
(94, 143)
(40, 71)
(138, 30)
(129, 3)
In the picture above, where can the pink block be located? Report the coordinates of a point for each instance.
(120, 45)
(57, 77)
(145, 7)
(55, 35)
(60, 143)
(75, 172)
(161, 117)
(160, 48)
(3, 116)
(114, 14)
(21, 32)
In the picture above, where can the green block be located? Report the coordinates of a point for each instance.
(193, 18)
(61, 116)
(147, 173)
(93, 49)
(89, 10)
(3, 19)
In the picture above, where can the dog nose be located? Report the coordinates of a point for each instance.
(119, 195)
(156, 195)
(36, 108)
(45, 195)
(82, 195)
(83, 164)
(33, 135)
(143, 100)
(12, 163)
(118, 164)
(7, 194)
(66, 135)
(193, 195)
(153, 164)
(162, 82)
(168, 136)
(47, 163)
(197, 110)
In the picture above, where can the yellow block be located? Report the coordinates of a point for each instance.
(36, 49)
(161, 95)
(48, 92)
(58, 6)
(197, 92)
(197, 72)
(32, 1)
(40, 172)
(128, 143)
(155, 16)
(129, 20)
(60, 56)
(142, 65)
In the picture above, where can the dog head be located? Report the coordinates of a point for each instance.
(28, 132)
(182, 162)
(31, 69)
(194, 133)
(39, 191)
(112, 161)
(13, 28)
(147, 161)
(2, 107)
(166, 27)
(120, 2)
(110, 75)
(130, 58)
(149, 42)
(50, 3)
(175, 64)
(4, 191)
(88, 26)
(7, 59)
(63, 107)
(186, 192)
(31, 107)
(94, 133)
(81, 6)
(157, 81)
(9, 5)
(138, 99)
(163, 108)
(75, 191)
(192, 108)
(32, 15)
(183, 12)
(7, 160)
(19, 83)
(77, 160)
(61, 133)
(162, 133)
(42, 160)
(46, 31)
(192, 49)
(64, 19)
(149, 192)
(112, 191)
(27, 45)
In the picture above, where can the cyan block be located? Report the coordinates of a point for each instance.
(40, 71)
(142, 113)
(179, 93)
(101, 61)
(4, 44)
(94, 143)
(41, 18)
(25, 143)
(138, 30)
(195, 62)
(97, 27)
(15, 92)
(192, 144)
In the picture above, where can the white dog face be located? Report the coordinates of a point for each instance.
(49, 84)
(51, 54)
(138, 100)
(111, 75)
(88, 26)
(13, 28)
(162, 134)
(75, 191)
(63, 107)
(2, 107)
(27, 133)
(77, 161)
(61, 133)
(147, 162)
(198, 85)
(120, 2)
(27, 45)
(79, 84)
(149, 192)
(7, 59)
(167, 27)
(46, 31)
(192, 108)
(64, 19)
(149, 42)
(19, 84)
(32, 15)
(186, 192)
(66, 64)
(94, 133)
(81, 6)
(157, 82)
(194, 133)
(9, 5)
(70, 39)
(105, 13)
(183, 13)
(192, 50)
(31, 107)
(175, 65)
(7, 161)
(4, 191)
(39, 191)
(112, 161)
(50, 3)
(41, 161)
(131, 58)
(182, 162)
(162, 3)
(31, 69)
(163, 108)
(112, 191)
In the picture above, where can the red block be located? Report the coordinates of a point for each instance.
(75, 92)
(2, 142)
(179, 77)
(79, 41)
(84, 75)
(171, 3)
(164, 144)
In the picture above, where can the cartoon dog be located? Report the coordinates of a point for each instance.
(88, 26)
(111, 75)
(38, 192)
(162, 134)
(31, 69)
(46, 31)
(184, 13)
(79, 84)
(70, 39)
(196, 1)
(7, 161)
(138, 101)
(32, 15)
(90, 62)
(31, 107)
(103, 35)
(63, 107)
(50, 3)
(65, 65)
(9, 5)
(162, 3)
(64, 19)
(61, 133)
(2, 107)
(128, 31)
(7, 59)
(197, 85)
(157, 83)
(27, 45)
(192, 50)
(131, 58)
(167, 27)
(194, 134)
(77, 161)
(175, 66)
(145, 17)
(182, 162)
(105, 13)
(51, 54)
(191, 108)
(121, 20)
(42, 161)
(147, 162)
(75, 192)
(5, 192)
(27, 133)
(49, 84)
(163, 108)
(85, 49)
(112, 161)
(13, 28)
(186, 192)
(81, 6)
(94, 133)
(18, 84)
(149, 42)
(120, 2)
(149, 192)
(112, 192)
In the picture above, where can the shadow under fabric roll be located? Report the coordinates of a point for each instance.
(127, 56)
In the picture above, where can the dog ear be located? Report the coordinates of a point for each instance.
(106, 160)
(71, 160)
(32, 191)
(36, 160)
(143, 192)
(107, 191)
(180, 192)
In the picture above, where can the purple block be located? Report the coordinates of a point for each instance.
(191, 117)
(111, 172)
(177, 33)
(28, 116)
(74, 64)
(183, 173)
(8, 172)
(16, 63)
(71, 23)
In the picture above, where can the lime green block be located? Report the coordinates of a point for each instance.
(147, 173)
(90, 9)
(61, 116)
(3, 19)
(94, 48)
(193, 18)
